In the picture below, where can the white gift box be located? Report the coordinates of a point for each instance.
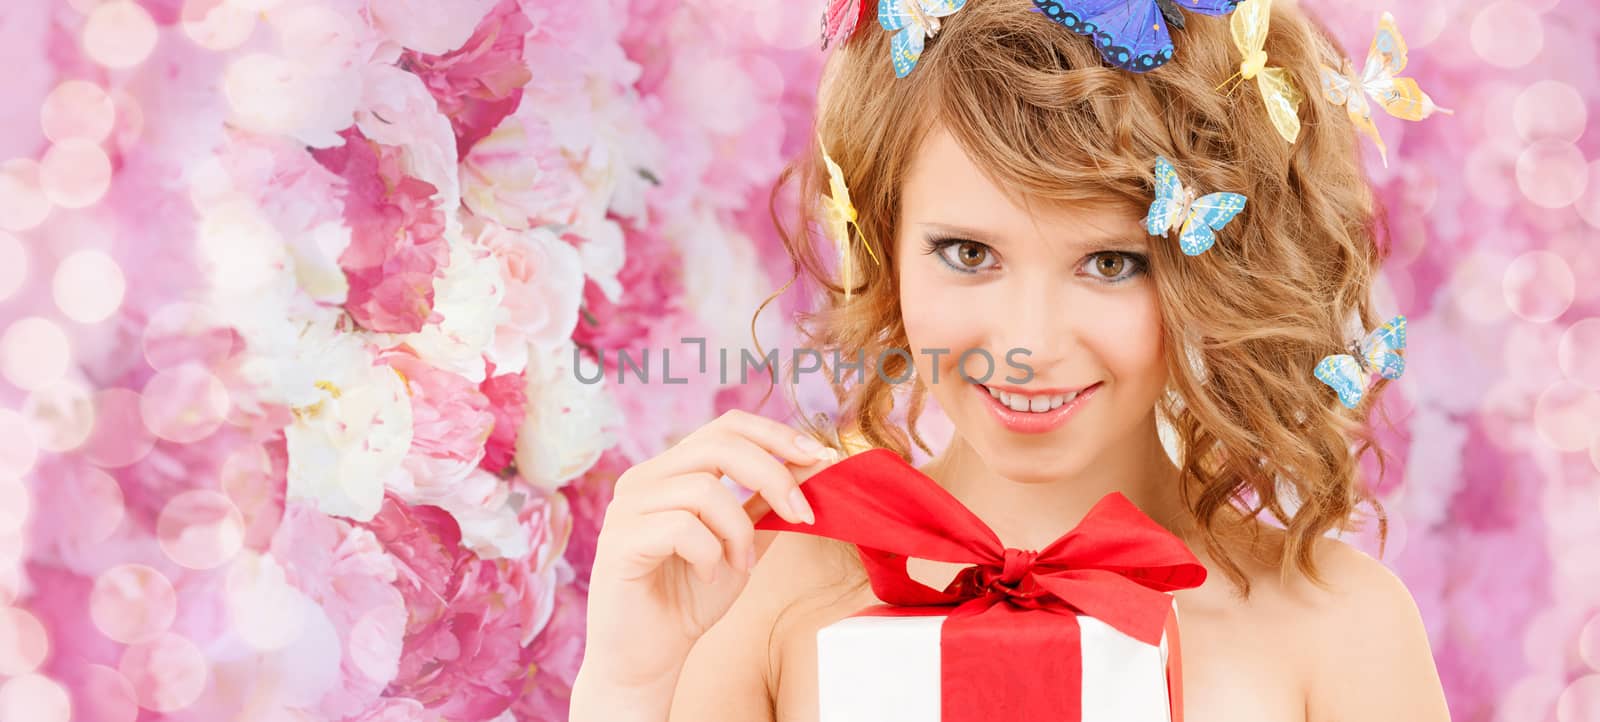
(887, 669)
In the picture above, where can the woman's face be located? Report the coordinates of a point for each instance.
(1063, 292)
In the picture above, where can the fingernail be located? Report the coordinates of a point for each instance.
(809, 445)
(798, 503)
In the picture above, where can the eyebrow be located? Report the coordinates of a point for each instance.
(1137, 240)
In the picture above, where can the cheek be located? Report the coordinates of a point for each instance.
(935, 318)
(1131, 342)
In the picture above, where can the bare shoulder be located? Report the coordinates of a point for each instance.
(1369, 657)
(732, 670)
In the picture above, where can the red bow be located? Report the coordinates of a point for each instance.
(1116, 565)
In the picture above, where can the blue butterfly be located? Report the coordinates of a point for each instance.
(1349, 373)
(1199, 218)
(917, 20)
(1130, 34)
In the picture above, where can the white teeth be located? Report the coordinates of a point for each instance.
(1032, 404)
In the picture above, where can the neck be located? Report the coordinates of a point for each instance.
(1031, 515)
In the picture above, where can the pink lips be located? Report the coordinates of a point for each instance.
(1027, 422)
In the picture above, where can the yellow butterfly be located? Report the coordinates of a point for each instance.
(838, 217)
(1249, 24)
(1401, 97)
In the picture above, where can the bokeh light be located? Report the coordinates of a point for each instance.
(120, 437)
(75, 174)
(167, 674)
(89, 286)
(104, 695)
(1580, 701)
(1552, 173)
(200, 529)
(1579, 352)
(1477, 286)
(60, 416)
(18, 451)
(132, 603)
(1567, 416)
(1550, 110)
(77, 110)
(185, 403)
(179, 333)
(23, 642)
(34, 698)
(1507, 34)
(23, 203)
(99, 507)
(13, 264)
(217, 24)
(263, 608)
(34, 353)
(15, 505)
(119, 34)
(1538, 286)
(1589, 643)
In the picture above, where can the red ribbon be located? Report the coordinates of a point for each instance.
(1011, 644)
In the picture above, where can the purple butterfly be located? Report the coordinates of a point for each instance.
(1130, 34)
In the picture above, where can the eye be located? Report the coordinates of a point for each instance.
(1115, 267)
(962, 256)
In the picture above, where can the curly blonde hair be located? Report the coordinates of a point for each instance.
(1037, 108)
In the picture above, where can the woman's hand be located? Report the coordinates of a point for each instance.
(676, 546)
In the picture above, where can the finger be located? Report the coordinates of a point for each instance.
(777, 438)
(715, 505)
(664, 534)
(747, 464)
(756, 469)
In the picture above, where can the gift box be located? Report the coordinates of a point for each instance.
(1083, 630)
(883, 665)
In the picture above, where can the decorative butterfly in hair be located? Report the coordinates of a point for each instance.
(916, 21)
(840, 19)
(1380, 80)
(839, 215)
(1130, 34)
(1350, 373)
(1278, 91)
(1176, 206)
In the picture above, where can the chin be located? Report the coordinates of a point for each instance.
(1037, 462)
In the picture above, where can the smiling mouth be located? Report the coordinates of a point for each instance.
(1035, 403)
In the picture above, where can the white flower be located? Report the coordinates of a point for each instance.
(351, 429)
(568, 423)
(489, 525)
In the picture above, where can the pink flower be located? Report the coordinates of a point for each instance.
(480, 83)
(652, 273)
(465, 655)
(557, 653)
(451, 420)
(394, 709)
(587, 498)
(344, 570)
(507, 403)
(543, 277)
(397, 243)
(519, 177)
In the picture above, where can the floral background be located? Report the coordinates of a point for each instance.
(289, 293)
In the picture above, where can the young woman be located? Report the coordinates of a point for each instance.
(1002, 187)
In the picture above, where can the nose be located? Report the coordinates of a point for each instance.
(1036, 329)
